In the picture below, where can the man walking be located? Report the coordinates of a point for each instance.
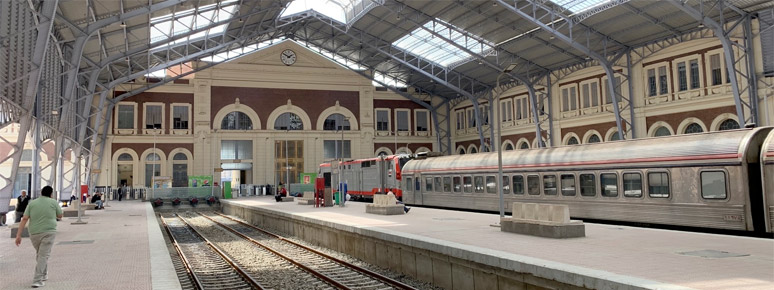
(42, 214)
(21, 205)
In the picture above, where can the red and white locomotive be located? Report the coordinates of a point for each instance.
(366, 177)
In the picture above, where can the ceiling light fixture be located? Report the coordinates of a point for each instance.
(701, 25)
(123, 24)
(397, 17)
(494, 3)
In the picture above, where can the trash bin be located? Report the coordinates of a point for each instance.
(336, 198)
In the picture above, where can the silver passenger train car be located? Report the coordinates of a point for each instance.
(707, 180)
(767, 168)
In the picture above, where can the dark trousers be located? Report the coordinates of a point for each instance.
(120, 195)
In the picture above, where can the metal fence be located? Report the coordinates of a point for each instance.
(182, 192)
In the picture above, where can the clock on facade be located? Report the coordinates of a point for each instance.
(288, 57)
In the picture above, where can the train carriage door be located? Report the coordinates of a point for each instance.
(417, 189)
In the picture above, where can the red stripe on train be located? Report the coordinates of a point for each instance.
(396, 191)
(636, 160)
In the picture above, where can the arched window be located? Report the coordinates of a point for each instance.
(180, 156)
(152, 168)
(572, 141)
(524, 145)
(508, 147)
(125, 157)
(461, 152)
(614, 136)
(662, 131)
(336, 122)
(152, 157)
(729, 124)
(236, 121)
(382, 153)
(473, 150)
(288, 121)
(594, 139)
(693, 128)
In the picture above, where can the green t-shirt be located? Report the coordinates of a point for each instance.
(42, 213)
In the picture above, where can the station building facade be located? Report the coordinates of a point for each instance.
(265, 122)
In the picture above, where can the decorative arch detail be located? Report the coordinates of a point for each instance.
(461, 148)
(715, 126)
(505, 143)
(353, 125)
(237, 107)
(588, 135)
(659, 124)
(688, 121)
(290, 108)
(385, 149)
(523, 141)
(422, 149)
(114, 166)
(570, 135)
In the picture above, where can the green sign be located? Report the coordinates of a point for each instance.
(307, 178)
(199, 180)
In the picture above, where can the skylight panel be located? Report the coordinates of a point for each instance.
(170, 25)
(423, 43)
(577, 6)
(335, 9)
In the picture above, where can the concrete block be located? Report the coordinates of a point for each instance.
(393, 258)
(573, 229)
(462, 277)
(544, 212)
(484, 280)
(442, 274)
(518, 210)
(530, 211)
(73, 212)
(424, 268)
(306, 201)
(394, 209)
(287, 199)
(560, 213)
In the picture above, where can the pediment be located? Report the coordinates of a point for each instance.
(271, 56)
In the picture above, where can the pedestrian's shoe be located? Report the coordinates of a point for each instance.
(408, 209)
(38, 284)
(45, 278)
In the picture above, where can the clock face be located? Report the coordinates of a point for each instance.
(288, 57)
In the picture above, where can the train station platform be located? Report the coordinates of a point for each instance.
(448, 243)
(121, 247)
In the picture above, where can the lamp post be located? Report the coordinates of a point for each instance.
(77, 188)
(287, 161)
(343, 197)
(497, 140)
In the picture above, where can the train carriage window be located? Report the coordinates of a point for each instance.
(609, 182)
(437, 183)
(533, 184)
(658, 184)
(491, 184)
(632, 183)
(478, 184)
(447, 184)
(506, 185)
(457, 184)
(409, 183)
(467, 182)
(588, 185)
(549, 184)
(713, 185)
(417, 186)
(428, 184)
(568, 185)
(518, 184)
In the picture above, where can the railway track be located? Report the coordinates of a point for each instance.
(333, 272)
(208, 267)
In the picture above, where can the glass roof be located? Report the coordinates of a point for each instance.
(164, 27)
(577, 6)
(335, 9)
(423, 43)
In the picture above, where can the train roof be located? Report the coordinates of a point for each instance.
(702, 147)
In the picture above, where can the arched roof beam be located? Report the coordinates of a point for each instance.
(530, 12)
(723, 30)
(454, 80)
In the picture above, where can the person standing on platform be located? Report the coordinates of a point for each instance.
(42, 214)
(21, 205)
(121, 191)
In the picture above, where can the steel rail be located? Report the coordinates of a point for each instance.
(183, 258)
(245, 276)
(372, 274)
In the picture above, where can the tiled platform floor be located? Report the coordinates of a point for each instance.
(121, 247)
(617, 252)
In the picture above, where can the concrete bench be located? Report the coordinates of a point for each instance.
(287, 199)
(385, 204)
(307, 198)
(543, 220)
